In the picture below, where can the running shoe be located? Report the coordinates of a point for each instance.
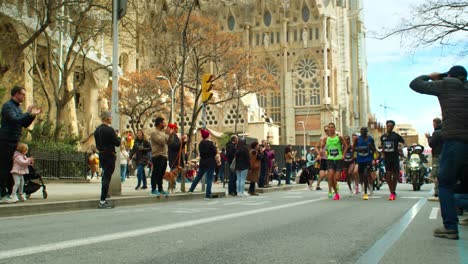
(391, 197)
(337, 197)
(365, 197)
(330, 195)
(318, 188)
(155, 193)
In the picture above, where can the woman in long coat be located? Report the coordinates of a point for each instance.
(255, 162)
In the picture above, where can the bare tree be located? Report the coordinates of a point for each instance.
(56, 61)
(141, 97)
(443, 22)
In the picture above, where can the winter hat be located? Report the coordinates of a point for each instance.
(457, 71)
(205, 133)
(172, 126)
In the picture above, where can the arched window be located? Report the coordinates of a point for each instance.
(307, 83)
(231, 23)
(305, 13)
(267, 18)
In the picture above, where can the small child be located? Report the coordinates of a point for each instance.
(20, 168)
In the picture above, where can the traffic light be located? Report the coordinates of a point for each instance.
(206, 86)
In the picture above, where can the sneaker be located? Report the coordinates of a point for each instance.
(136, 188)
(446, 233)
(166, 194)
(207, 199)
(144, 187)
(391, 197)
(318, 188)
(357, 190)
(365, 197)
(13, 199)
(22, 197)
(105, 205)
(463, 222)
(330, 195)
(433, 199)
(155, 193)
(337, 197)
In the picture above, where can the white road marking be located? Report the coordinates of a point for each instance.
(410, 197)
(293, 197)
(232, 203)
(434, 213)
(25, 251)
(259, 203)
(375, 197)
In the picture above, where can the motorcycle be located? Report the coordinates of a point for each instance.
(415, 171)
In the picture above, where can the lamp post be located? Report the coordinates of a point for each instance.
(303, 130)
(161, 77)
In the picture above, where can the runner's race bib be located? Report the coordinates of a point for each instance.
(334, 152)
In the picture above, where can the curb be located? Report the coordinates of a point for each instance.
(280, 188)
(66, 206)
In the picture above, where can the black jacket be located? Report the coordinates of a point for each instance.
(453, 99)
(173, 149)
(106, 139)
(207, 151)
(13, 120)
(230, 151)
(141, 151)
(436, 142)
(242, 158)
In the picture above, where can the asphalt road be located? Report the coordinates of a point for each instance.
(285, 227)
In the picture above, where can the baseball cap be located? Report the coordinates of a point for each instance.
(457, 71)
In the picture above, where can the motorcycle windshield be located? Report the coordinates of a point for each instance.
(415, 158)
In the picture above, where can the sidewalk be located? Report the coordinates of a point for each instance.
(82, 196)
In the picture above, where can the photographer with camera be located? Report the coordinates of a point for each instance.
(452, 91)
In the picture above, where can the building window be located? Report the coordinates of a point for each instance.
(262, 100)
(305, 13)
(231, 23)
(317, 33)
(278, 37)
(257, 39)
(267, 18)
(307, 83)
(295, 35)
(300, 93)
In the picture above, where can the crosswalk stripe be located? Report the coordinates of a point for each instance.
(434, 213)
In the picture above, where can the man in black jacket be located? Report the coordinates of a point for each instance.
(435, 142)
(452, 91)
(231, 153)
(106, 141)
(13, 121)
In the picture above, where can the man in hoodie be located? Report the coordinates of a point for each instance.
(452, 91)
(435, 142)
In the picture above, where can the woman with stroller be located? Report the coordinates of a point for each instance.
(20, 168)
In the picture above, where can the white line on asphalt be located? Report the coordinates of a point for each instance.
(232, 203)
(259, 203)
(293, 197)
(25, 251)
(434, 213)
(411, 197)
(378, 250)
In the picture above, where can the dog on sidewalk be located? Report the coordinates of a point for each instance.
(171, 177)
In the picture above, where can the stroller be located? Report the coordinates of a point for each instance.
(30, 186)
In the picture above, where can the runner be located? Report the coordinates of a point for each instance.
(365, 147)
(391, 155)
(348, 165)
(323, 160)
(336, 147)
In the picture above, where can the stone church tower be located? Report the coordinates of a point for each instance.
(316, 48)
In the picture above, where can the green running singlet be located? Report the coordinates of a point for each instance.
(334, 148)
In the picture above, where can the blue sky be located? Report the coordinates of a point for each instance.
(392, 66)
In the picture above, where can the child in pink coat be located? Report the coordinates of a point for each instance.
(20, 167)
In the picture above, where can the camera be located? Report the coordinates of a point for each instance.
(442, 75)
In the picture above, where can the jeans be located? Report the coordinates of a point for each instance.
(6, 163)
(461, 200)
(107, 160)
(288, 173)
(222, 168)
(209, 179)
(452, 160)
(19, 184)
(141, 176)
(123, 172)
(241, 176)
(232, 182)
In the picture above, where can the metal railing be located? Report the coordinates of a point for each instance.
(61, 165)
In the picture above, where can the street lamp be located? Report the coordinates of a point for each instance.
(303, 130)
(161, 77)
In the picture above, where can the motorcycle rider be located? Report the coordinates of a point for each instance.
(416, 149)
(435, 142)
(390, 142)
(364, 147)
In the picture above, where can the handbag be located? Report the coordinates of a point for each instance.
(233, 164)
